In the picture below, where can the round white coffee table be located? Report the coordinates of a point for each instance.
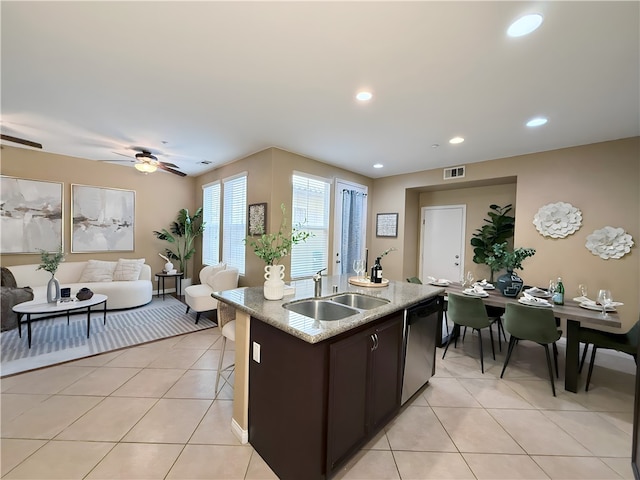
(38, 308)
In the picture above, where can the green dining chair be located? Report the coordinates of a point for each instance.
(534, 324)
(622, 342)
(468, 312)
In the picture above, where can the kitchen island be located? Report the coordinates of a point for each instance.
(309, 393)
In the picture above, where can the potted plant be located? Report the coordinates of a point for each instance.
(270, 248)
(498, 228)
(509, 284)
(182, 234)
(50, 263)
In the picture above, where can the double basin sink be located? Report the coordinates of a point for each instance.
(335, 308)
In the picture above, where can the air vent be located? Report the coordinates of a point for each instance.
(454, 172)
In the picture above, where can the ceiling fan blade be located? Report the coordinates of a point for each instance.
(21, 141)
(166, 164)
(109, 160)
(167, 169)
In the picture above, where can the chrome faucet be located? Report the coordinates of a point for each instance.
(317, 280)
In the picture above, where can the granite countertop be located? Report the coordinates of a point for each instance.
(251, 300)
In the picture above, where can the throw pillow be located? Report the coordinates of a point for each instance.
(213, 272)
(128, 269)
(97, 271)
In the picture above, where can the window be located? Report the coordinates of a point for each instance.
(234, 221)
(211, 217)
(310, 213)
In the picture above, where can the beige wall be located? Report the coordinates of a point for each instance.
(269, 180)
(600, 179)
(159, 197)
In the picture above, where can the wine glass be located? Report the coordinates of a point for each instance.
(358, 267)
(552, 287)
(605, 299)
(582, 290)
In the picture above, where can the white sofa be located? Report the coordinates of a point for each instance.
(121, 293)
(213, 278)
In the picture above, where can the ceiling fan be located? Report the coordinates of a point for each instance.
(21, 141)
(146, 162)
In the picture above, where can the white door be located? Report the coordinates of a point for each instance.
(442, 240)
(350, 226)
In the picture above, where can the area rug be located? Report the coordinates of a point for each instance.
(53, 341)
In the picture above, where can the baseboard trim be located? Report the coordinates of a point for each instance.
(239, 432)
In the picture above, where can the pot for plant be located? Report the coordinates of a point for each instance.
(510, 284)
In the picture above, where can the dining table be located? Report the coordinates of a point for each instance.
(571, 312)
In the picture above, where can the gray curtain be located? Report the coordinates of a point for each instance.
(352, 248)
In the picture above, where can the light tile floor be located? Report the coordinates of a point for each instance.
(148, 412)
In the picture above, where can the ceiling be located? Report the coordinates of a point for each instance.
(217, 81)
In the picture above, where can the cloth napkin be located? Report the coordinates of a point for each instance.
(536, 291)
(483, 283)
(593, 303)
(476, 289)
(535, 300)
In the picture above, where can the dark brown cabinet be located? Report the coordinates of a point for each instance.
(365, 372)
(311, 406)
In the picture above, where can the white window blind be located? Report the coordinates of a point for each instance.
(310, 213)
(211, 217)
(234, 223)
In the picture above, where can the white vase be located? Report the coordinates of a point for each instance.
(53, 290)
(274, 283)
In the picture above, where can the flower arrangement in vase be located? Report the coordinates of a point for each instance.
(50, 263)
(509, 284)
(270, 248)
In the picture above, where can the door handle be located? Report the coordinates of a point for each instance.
(374, 339)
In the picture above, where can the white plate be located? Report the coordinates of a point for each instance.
(524, 301)
(440, 284)
(590, 306)
(475, 294)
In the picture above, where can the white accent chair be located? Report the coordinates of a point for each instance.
(213, 278)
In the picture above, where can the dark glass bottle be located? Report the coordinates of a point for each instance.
(376, 272)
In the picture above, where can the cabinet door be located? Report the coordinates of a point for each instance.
(348, 391)
(386, 372)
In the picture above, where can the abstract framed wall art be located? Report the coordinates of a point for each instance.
(387, 225)
(103, 219)
(30, 215)
(257, 219)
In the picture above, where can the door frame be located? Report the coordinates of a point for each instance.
(463, 233)
(341, 184)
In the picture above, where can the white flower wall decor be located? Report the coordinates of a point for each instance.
(609, 242)
(557, 220)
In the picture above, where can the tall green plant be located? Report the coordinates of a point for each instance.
(498, 228)
(182, 234)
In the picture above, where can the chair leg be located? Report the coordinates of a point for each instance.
(446, 323)
(555, 358)
(224, 346)
(584, 356)
(593, 360)
(454, 334)
(197, 317)
(493, 349)
(512, 343)
(464, 334)
(481, 352)
(553, 385)
(187, 309)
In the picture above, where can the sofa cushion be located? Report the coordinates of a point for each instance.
(97, 271)
(128, 269)
(8, 280)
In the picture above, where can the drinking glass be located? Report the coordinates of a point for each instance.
(605, 299)
(469, 279)
(552, 287)
(358, 267)
(582, 290)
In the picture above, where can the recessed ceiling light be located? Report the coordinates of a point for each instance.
(525, 25)
(364, 96)
(536, 122)
(378, 165)
(455, 140)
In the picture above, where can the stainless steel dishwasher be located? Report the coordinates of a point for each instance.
(420, 331)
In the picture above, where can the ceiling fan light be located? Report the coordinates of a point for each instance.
(146, 167)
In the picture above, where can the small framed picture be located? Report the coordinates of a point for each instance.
(387, 225)
(257, 219)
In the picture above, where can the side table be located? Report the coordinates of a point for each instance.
(161, 278)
